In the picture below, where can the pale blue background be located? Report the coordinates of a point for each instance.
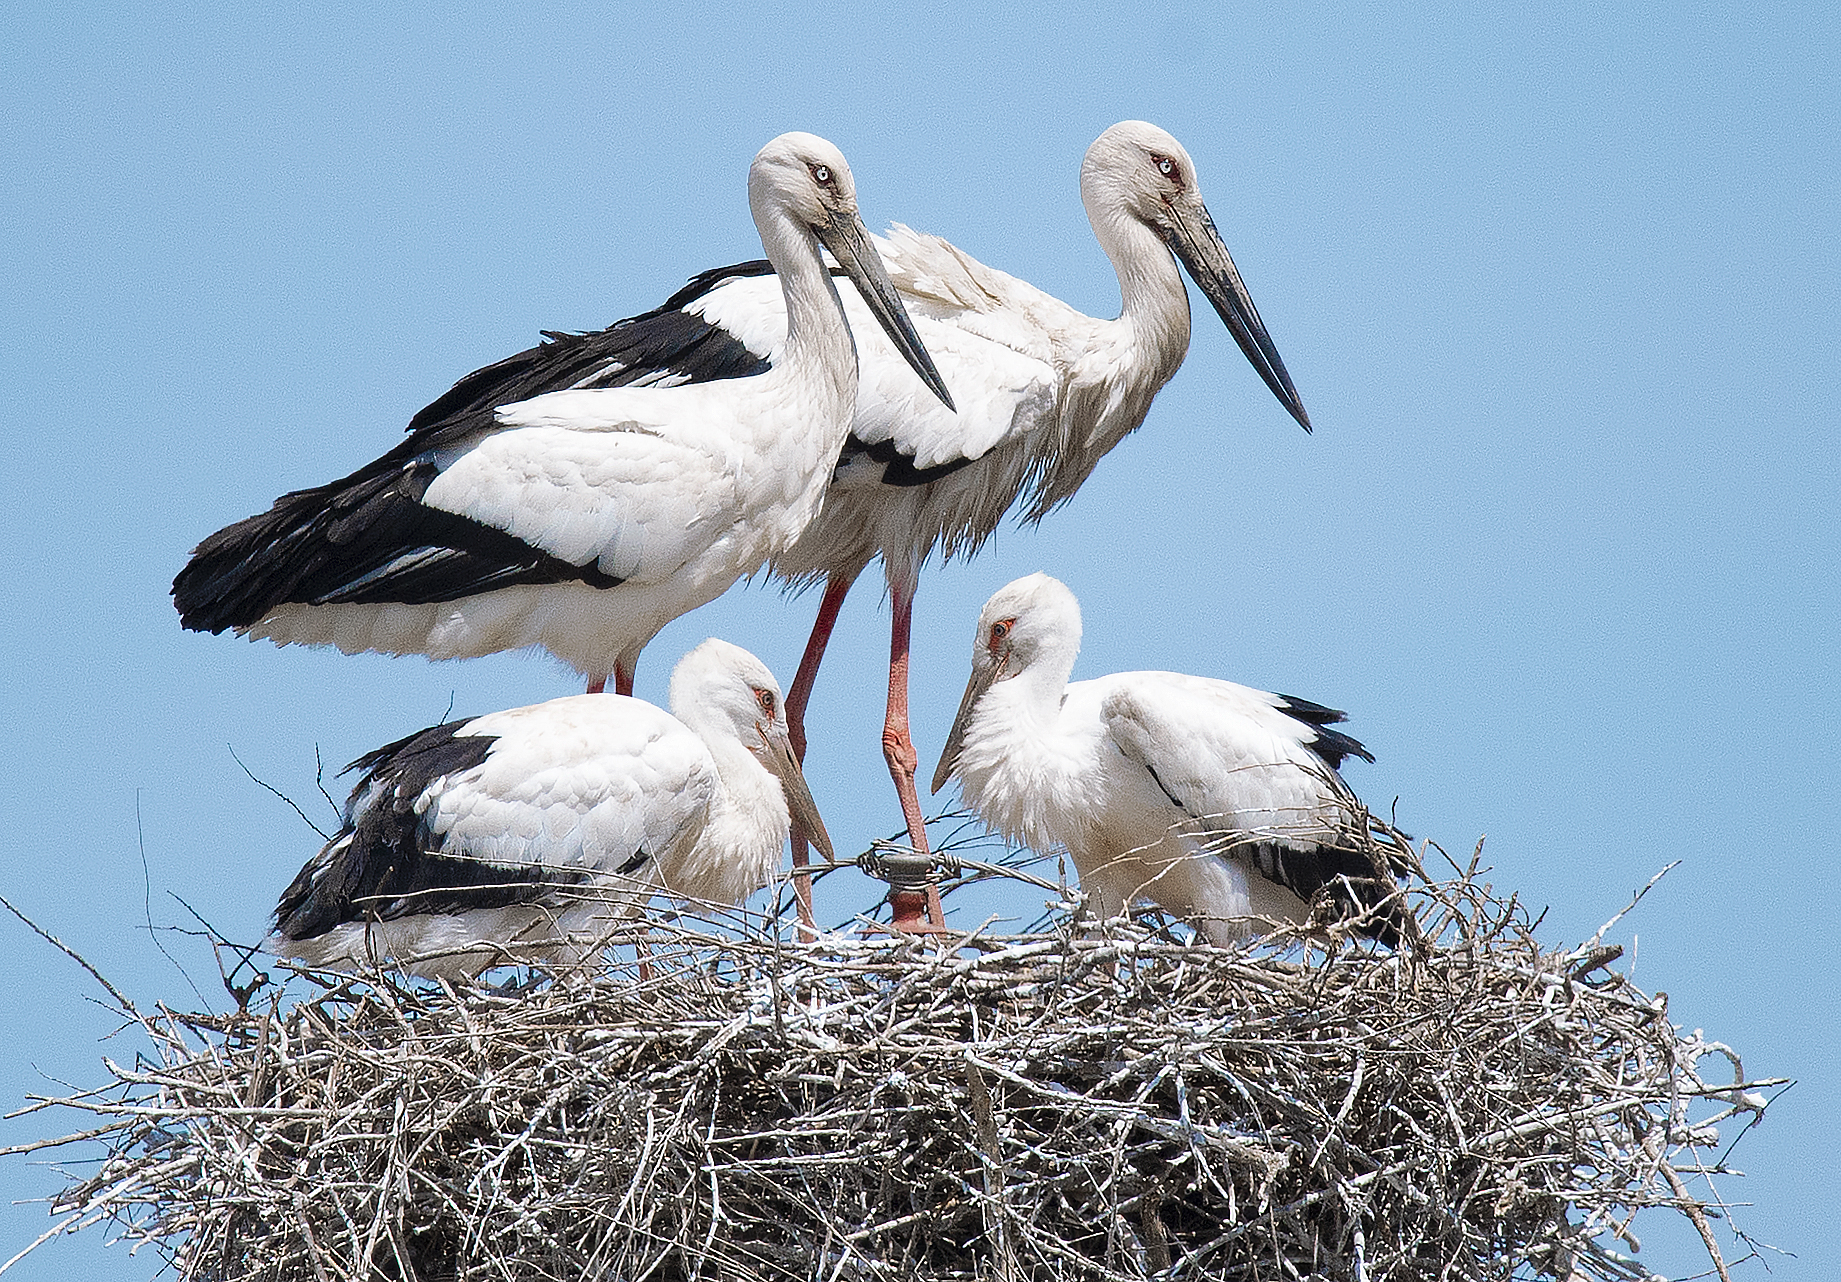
(1559, 290)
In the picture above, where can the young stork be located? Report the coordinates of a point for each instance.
(521, 835)
(1043, 390)
(580, 520)
(1219, 803)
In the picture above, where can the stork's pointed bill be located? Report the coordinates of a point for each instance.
(1191, 235)
(776, 753)
(983, 675)
(848, 240)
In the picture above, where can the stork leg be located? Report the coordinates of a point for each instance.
(837, 587)
(898, 750)
(623, 681)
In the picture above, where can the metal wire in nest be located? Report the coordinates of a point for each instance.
(1060, 1104)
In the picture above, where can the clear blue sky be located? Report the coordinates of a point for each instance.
(1558, 287)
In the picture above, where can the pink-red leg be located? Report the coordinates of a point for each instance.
(898, 751)
(623, 682)
(836, 588)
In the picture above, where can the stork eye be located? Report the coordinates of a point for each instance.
(1000, 630)
(1167, 168)
(821, 174)
(766, 700)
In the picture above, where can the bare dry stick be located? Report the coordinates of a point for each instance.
(1066, 1105)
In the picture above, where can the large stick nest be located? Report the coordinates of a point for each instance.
(1058, 1105)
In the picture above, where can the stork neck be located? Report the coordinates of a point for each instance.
(1154, 312)
(750, 794)
(747, 820)
(818, 341)
(1035, 693)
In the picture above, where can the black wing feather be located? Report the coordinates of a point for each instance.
(1345, 874)
(383, 865)
(1331, 745)
(665, 340)
(898, 469)
(368, 539)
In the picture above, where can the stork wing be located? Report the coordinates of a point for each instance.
(999, 391)
(998, 385)
(671, 344)
(587, 782)
(368, 537)
(589, 482)
(1240, 772)
(509, 808)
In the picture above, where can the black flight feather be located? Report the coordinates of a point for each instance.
(383, 865)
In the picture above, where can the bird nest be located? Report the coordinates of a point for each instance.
(1055, 1105)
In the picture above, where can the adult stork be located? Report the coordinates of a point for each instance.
(1043, 390)
(521, 835)
(580, 520)
(1219, 803)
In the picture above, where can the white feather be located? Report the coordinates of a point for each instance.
(640, 799)
(1098, 767)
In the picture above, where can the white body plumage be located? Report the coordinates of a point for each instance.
(678, 492)
(522, 834)
(1218, 802)
(1042, 390)
(579, 520)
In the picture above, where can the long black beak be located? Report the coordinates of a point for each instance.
(849, 243)
(779, 758)
(1192, 237)
(981, 680)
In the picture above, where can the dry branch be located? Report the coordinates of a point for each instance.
(1046, 1106)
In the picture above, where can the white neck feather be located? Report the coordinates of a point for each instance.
(739, 850)
(1018, 766)
(1153, 322)
(819, 349)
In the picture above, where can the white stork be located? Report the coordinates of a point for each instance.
(520, 835)
(1219, 803)
(581, 520)
(1043, 390)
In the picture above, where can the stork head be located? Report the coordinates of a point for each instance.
(721, 689)
(1030, 624)
(806, 176)
(803, 177)
(1138, 171)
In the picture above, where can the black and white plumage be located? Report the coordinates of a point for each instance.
(521, 835)
(557, 512)
(1219, 803)
(1042, 391)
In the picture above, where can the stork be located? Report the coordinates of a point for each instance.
(1219, 803)
(579, 520)
(520, 835)
(1043, 390)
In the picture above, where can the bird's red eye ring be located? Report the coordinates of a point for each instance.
(766, 700)
(1168, 168)
(1000, 630)
(821, 174)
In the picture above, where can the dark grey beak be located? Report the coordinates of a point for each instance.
(779, 759)
(955, 738)
(1192, 237)
(849, 243)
